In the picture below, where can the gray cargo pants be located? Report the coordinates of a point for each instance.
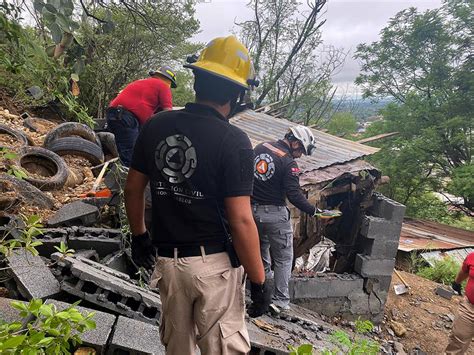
(276, 247)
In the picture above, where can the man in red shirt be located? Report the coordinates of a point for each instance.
(135, 104)
(463, 326)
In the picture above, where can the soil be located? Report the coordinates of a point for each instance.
(7, 140)
(425, 315)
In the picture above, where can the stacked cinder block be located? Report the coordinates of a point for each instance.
(378, 242)
(103, 241)
(364, 292)
(108, 288)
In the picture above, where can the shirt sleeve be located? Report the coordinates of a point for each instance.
(291, 184)
(165, 99)
(138, 158)
(237, 165)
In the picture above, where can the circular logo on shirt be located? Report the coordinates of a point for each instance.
(176, 158)
(264, 167)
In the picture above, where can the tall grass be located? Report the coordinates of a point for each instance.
(444, 271)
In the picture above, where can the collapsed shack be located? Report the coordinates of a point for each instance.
(365, 238)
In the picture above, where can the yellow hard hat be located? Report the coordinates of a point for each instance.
(227, 58)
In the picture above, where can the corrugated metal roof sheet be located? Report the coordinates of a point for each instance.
(261, 127)
(334, 171)
(428, 235)
(458, 254)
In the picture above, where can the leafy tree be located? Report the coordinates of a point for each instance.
(424, 61)
(282, 38)
(342, 124)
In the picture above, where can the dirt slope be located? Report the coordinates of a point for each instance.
(425, 315)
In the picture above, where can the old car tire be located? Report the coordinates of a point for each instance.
(79, 147)
(39, 125)
(107, 140)
(28, 192)
(69, 129)
(18, 135)
(51, 170)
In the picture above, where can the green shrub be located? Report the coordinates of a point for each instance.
(444, 271)
(355, 345)
(48, 332)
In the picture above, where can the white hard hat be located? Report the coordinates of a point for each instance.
(304, 135)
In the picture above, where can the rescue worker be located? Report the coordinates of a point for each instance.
(200, 169)
(135, 104)
(276, 177)
(462, 332)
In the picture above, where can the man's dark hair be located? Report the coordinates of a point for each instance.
(209, 87)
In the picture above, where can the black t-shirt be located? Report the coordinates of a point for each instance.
(194, 158)
(277, 176)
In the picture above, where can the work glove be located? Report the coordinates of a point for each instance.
(261, 296)
(143, 251)
(327, 214)
(457, 288)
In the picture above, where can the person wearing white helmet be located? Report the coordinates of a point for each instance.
(276, 178)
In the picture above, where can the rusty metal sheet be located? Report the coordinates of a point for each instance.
(428, 235)
(334, 171)
(261, 127)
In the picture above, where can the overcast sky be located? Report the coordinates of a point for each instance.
(349, 22)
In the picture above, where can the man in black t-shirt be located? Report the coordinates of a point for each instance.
(277, 178)
(200, 169)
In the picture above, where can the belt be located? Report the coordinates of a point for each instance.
(194, 250)
(268, 208)
(120, 110)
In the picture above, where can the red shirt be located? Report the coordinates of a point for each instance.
(468, 267)
(144, 97)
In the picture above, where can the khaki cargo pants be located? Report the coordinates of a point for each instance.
(463, 329)
(203, 304)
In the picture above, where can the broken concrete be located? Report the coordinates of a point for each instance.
(98, 337)
(118, 261)
(443, 292)
(108, 288)
(9, 314)
(51, 237)
(76, 212)
(135, 337)
(33, 278)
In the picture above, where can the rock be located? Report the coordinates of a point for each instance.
(450, 316)
(390, 331)
(398, 347)
(398, 328)
(443, 292)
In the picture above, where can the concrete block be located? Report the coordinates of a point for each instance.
(118, 261)
(108, 288)
(343, 285)
(378, 248)
(33, 278)
(308, 288)
(88, 254)
(135, 337)
(367, 266)
(378, 284)
(380, 228)
(76, 212)
(386, 208)
(50, 238)
(9, 314)
(102, 245)
(103, 240)
(98, 337)
(443, 292)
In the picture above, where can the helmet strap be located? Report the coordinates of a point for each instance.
(237, 106)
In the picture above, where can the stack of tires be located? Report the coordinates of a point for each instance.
(45, 168)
